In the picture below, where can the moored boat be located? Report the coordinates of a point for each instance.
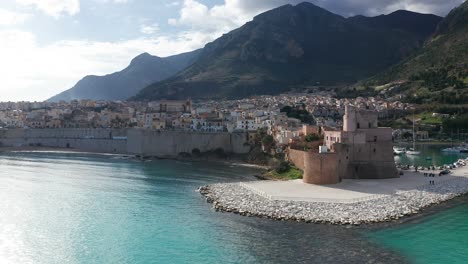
(412, 151)
(398, 151)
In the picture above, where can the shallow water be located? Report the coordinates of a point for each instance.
(441, 237)
(75, 208)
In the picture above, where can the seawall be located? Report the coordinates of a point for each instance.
(126, 141)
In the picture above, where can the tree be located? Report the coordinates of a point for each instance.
(268, 142)
(312, 137)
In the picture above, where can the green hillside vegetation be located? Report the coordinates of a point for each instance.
(298, 113)
(438, 73)
(295, 48)
(458, 122)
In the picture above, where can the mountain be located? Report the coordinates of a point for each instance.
(439, 71)
(142, 71)
(296, 47)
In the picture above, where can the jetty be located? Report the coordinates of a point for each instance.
(352, 201)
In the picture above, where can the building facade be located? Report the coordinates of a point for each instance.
(362, 150)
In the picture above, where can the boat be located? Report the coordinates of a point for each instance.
(459, 149)
(399, 151)
(413, 151)
(450, 150)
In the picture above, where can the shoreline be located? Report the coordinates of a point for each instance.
(409, 143)
(235, 198)
(231, 161)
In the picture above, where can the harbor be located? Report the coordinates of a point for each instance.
(431, 155)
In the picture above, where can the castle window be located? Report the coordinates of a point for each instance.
(374, 150)
(375, 138)
(358, 125)
(369, 125)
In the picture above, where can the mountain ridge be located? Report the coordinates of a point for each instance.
(295, 47)
(436, 73)
(143, 70)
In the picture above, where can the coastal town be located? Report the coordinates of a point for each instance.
(234, 131)
(251, 114)
(327, 153)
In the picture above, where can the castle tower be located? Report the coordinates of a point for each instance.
(349, 119)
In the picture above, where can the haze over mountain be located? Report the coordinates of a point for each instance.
(142, 71)
(296, 47)
(439, 71)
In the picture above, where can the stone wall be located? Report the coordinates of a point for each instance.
(96, 140)
(318, 168)
(133, 141)
(321, 168)
(297, 158)
(171, 143)
(360, 161)
(372, 160)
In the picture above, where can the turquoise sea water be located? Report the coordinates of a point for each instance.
(437, 239)
(76, 208)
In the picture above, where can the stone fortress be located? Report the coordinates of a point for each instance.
(362, 150)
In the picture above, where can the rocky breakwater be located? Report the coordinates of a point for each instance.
(232, 197)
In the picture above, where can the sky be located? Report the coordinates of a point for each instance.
(46, 46)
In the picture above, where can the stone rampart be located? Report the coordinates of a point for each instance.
(96, 140)
(321, 168)
(297, 158)
(171, 143)
(318, 168)
(143, 142)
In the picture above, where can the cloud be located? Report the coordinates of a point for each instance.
(113, 1)
(9, 18)
(218, 18)
(34, 72)
(172, 4)
(31, 71)
(372, 7)
(354, 7)
(233, 13)
(149, 29)
(210, 23)
(54, 8)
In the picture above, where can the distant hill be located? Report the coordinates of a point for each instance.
(439, 71)
(296, 47)
(142, 71)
